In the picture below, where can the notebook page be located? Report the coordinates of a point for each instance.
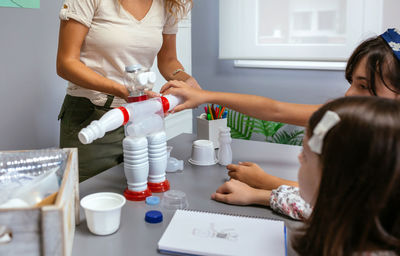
(204, 233)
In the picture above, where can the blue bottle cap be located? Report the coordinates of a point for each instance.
(152, 200)
(153, 217)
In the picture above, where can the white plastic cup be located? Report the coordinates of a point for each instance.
(138, 186)
(159, 150)
(134, 143)
(103, 212)
(158, 155)
(135, 151)
(137, 174)
(136, 162)
(135, 157)
(157, 138)
(157, 166)
(158, 146)
(203, 153)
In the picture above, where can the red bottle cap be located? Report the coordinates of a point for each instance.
(159, 187)
(125, 113)
(135, 195)
(165, 104)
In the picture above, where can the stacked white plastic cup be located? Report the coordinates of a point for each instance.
(136, 163)
(158, 156)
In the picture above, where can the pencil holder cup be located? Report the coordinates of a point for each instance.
(209, 129)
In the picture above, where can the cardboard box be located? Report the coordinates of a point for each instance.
(47, 228)
(209, 129)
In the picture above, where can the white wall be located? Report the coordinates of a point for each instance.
(297, 86)
(31, 93)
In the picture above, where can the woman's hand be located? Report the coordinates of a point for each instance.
(253, 175)
(192, 97)
(236, 192)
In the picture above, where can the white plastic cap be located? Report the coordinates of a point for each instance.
(142, 78)
(152, 77)
(89, 134)
(84, 136)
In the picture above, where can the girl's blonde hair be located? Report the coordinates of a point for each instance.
(178, 8)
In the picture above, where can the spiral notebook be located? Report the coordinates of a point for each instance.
(205, 233)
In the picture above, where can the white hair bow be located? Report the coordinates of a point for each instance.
(329, 120)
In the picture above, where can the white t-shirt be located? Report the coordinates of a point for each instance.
(116, 39)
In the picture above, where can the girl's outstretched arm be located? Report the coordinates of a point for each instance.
(256, 106)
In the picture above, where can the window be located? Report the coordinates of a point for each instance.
(320, 31)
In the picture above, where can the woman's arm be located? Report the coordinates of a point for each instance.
(285, 199)
(168, 62)
(252, 105)
(72, 34)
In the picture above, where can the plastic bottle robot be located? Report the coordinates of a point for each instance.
(145, 146)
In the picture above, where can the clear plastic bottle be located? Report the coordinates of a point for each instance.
(137, 80)
(225, 150)
(31, 175)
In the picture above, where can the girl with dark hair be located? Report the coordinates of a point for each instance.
(350, 174)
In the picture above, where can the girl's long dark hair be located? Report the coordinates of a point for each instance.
(381, 64)
(358, 203)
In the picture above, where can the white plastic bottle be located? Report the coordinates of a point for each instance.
(136, 168)
(158, 159)
(225, 150)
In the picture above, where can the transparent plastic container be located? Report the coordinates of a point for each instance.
(31, 175)
(174, 199)
(138, 80)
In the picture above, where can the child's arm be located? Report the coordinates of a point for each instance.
(254, 176)
(252, 105)
(236, 192)
(285, 199)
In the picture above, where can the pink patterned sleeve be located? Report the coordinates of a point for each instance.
(287, 200)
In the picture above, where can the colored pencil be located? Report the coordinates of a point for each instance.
(222, 112)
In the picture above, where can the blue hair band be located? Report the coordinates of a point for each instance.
(392, 38)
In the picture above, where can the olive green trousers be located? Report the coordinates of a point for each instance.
(77, 113)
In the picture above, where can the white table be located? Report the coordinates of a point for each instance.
(136, 237)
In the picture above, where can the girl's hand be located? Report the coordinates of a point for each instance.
(192, 97)
(254, 176)
(236, 192)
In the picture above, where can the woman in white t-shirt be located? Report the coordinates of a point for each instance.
(97, 39)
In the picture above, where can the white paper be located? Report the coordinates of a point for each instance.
(203, 233)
